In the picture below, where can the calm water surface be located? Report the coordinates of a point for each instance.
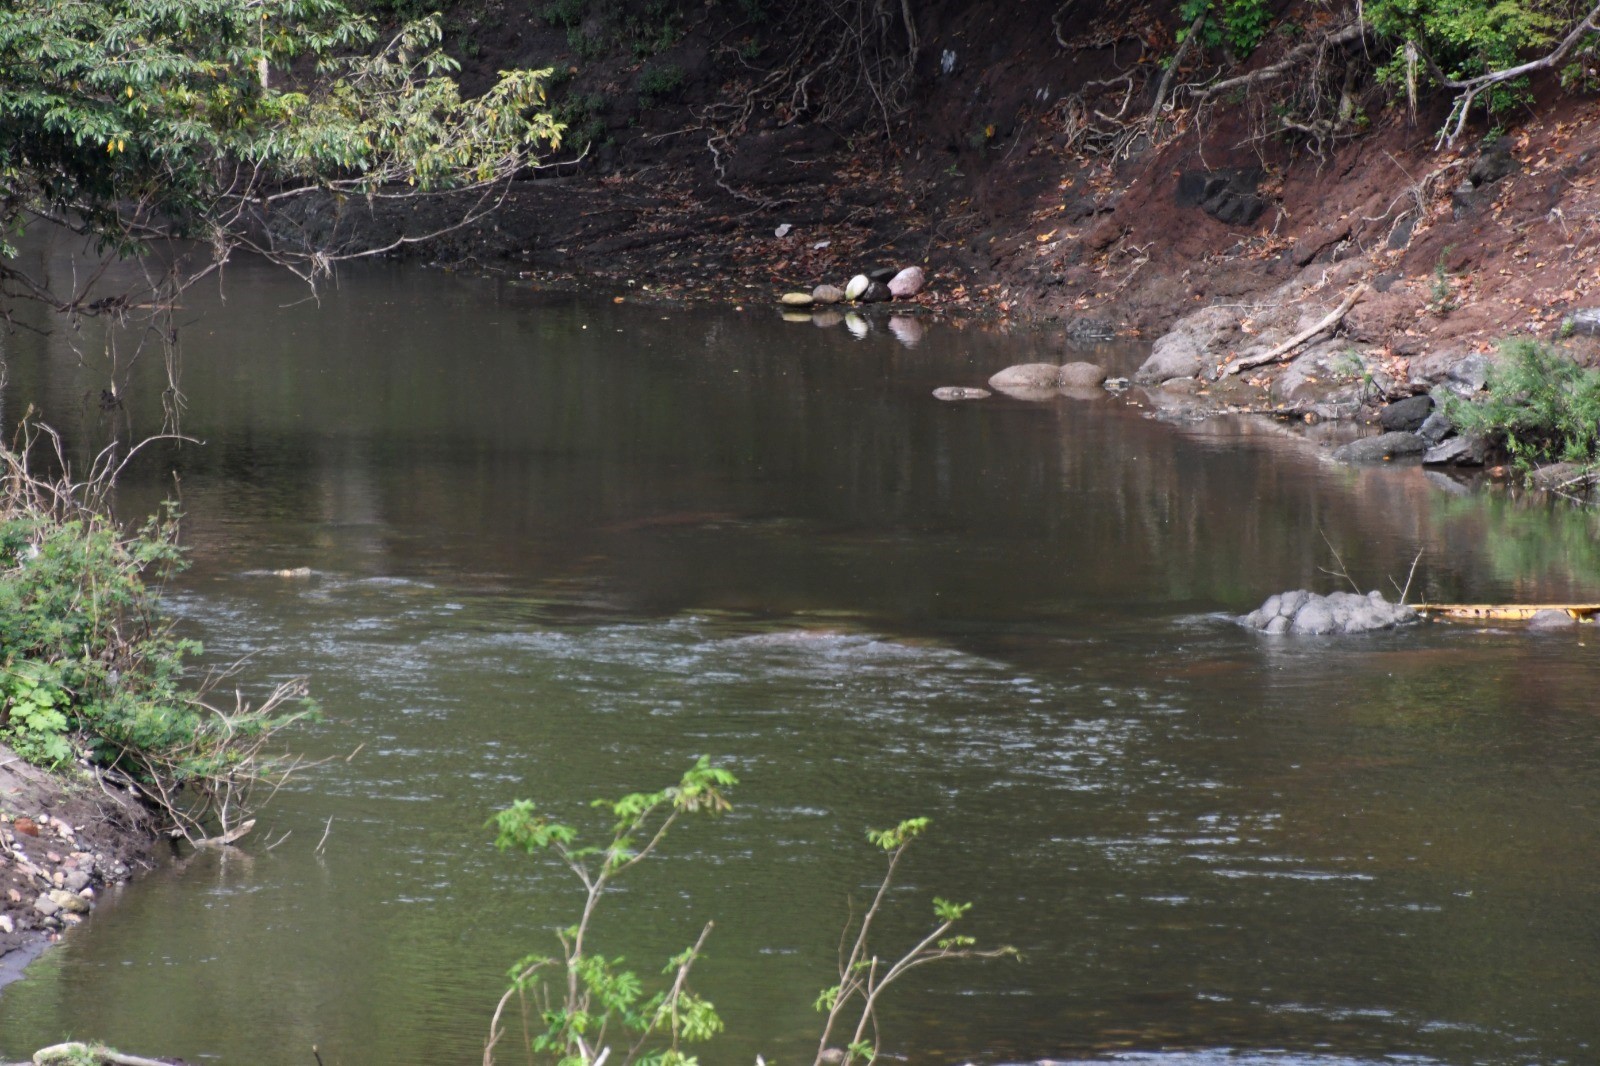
(560, 547)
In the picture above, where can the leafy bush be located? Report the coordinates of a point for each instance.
(1541, 407)
(659, 82)
(89, 667)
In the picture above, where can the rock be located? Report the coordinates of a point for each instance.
(75, 881)
(827, 294)
(1175, 355)
(791, 315)
(1468, 375)
(1307, 614)
(1435, 428)
(70, 902)
(1227, 195)
(45, 905)
(6, 924)
(26, 826)
(1493, 163)
(1457, 451)
(1081, 376)
(1383, 446)
(1555, 475)
(876, 292)
(856, 286)
(958, 392)
(1088, 329)
(882, 274)
(1551, 619)
(907, 283)
(1407, 415)
(797, 299)
(1585, 322)
(826, 319)
(1027, 376)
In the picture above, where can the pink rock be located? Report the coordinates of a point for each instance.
(907, 283)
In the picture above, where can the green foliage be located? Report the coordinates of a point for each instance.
(183, 115)
(659, 82)
(88, 665)
(1468, 37)
(583, 998)
(564, 13)
(1239, 24)
(1540, 406)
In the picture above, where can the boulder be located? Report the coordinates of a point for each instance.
(907, 283)
(1383, 446)
(1551, 619)
(1468, 375)
(1081, 376)
(1027, 376)
(797, 299)
(1457, 451)
(1088, 329)
(876, 292)
(856, 286)
(958, 392)
(1307, 614)
(827, 294)
(1435, 428)
(1175, 355)
(1407, 415)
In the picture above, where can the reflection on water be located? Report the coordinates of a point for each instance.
(558, 549)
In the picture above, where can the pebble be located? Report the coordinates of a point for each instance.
(856, 287)
(827, 294)
(797, 299)
(6, 924)
(45, 905)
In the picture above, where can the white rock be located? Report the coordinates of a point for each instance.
(856, 287)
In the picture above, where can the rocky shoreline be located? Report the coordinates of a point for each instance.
(64, 842)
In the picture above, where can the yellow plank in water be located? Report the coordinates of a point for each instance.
(1583, 612)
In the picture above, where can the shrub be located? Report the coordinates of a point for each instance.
(89, 667)
(659, 82)
(1540, 407)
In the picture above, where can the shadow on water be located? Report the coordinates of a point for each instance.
(558, 548)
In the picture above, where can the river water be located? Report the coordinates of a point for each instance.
(559, 547)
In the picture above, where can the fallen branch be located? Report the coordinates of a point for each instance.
(1304, 335)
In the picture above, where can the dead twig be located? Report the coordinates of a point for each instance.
(1332, 319)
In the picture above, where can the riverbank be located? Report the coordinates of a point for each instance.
(65, 841)
(1208, 231)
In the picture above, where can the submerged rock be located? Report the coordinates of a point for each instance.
(1383, 446)
(1307, 614)
(1027, 376)
(958, 392)
(1081, 376)
(1551, 619)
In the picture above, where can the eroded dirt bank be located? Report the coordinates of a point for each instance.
(1018, 177)
(64, 842)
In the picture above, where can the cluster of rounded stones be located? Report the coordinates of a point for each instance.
(873, 287)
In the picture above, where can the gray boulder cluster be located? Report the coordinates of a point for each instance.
(1308, 614)
(1414, 426)
(873, 287)
(1036, 381)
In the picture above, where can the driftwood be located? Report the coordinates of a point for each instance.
(75, 1052)
(1304, 335)
(224, 839)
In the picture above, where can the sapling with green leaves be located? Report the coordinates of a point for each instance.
(864, 975)
(585, 1000)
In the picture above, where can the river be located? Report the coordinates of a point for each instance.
(560, 546)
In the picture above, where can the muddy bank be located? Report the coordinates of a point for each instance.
(65, 841)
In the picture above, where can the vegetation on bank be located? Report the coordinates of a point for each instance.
(91, 670)
(1540, 407)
